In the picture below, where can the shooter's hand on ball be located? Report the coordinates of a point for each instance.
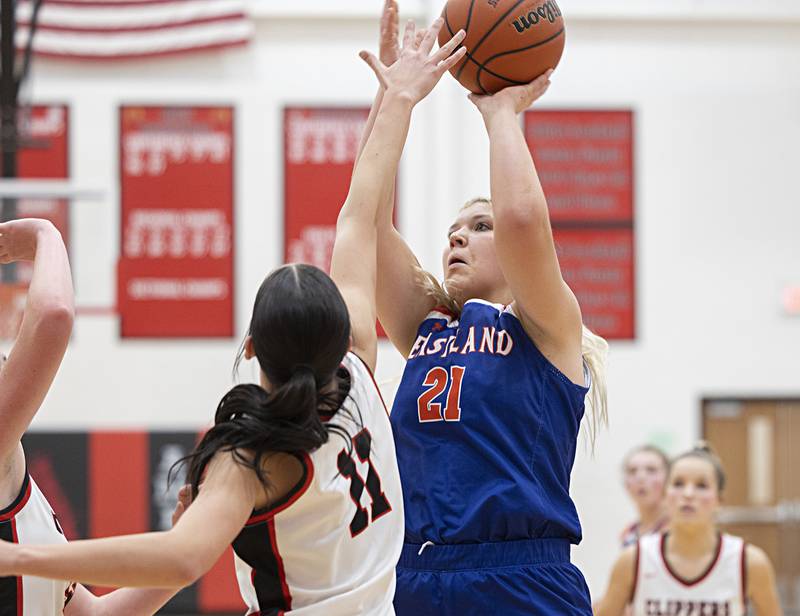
(417, 70)
(19, 238)
(514, 98)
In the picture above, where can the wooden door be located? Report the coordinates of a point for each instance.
(759, 444)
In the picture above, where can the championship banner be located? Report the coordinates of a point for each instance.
(44, 155)
(320, 148)
(585, 163)
(175, 275)
(102, 484)
(598, 265)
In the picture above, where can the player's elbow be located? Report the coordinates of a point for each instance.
(186, 571)
(524, 212)
(54, 319)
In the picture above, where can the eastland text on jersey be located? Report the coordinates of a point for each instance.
(490, 340)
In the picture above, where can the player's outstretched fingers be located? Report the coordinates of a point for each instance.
(445, 50)
(448, 63)
(376, 65)
(430, 35)
(410, 35)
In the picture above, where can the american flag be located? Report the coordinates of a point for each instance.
(124, 29)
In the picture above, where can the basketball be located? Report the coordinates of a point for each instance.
(509, 42)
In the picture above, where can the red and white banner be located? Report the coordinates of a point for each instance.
(45, 129)
(598, 265)
(176, 265)
(120, 29)
(320, 148)
(585, 163)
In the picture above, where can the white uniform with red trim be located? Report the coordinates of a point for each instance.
(30, 520)
(720, 591)
(331, 546)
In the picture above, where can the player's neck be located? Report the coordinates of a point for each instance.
(693, 541)
(650, 518)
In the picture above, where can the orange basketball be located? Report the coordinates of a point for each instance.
(509, 42)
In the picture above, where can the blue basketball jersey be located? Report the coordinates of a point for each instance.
(485, 429)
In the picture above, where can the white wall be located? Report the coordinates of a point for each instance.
(717, 102)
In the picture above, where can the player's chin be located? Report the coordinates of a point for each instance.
(457, 286)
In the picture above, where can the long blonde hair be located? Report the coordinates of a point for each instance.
(594, 349)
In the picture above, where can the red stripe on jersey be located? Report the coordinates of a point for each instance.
(743, 565)
(22, 499)
(291, 498)
(374, 382)
(444, 310)
(20, 603)
(635, 573)
(273, 540)
(703, 576)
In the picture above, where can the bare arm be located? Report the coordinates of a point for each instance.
(128, 601)
(170, 559)
(354, 262)
(522, 232)
(761, 588)
(401, 301)
(620, 585)
(45, 330)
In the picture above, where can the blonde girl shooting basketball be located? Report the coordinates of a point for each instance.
(25, 378)
(692, 568)
(487, 415)
(299, 473)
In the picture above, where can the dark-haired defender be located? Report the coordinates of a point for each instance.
(300, 473)
(692, 568)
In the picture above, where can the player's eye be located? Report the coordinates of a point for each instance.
(483, 226)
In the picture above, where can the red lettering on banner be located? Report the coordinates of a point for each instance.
(320, 148)
(177, 222)
(46, 155)
(585, 163)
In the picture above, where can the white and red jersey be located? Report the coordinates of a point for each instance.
(720, 591)
(331, 545)
(30, 519)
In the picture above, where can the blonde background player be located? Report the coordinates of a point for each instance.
(25, 378)
(692, 568)
(300, 473)
(644, 472)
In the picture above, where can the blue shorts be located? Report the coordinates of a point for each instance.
(508, 578)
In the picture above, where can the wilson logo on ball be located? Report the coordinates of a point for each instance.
(548, 11)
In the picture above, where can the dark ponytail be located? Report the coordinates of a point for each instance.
(300, 333)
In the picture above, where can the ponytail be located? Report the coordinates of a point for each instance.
(594, 351)
(252, 424)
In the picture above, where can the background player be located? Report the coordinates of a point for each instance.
(25, 378)
(644, 472)
(692, 568)
(272, 475)
(488, 411)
